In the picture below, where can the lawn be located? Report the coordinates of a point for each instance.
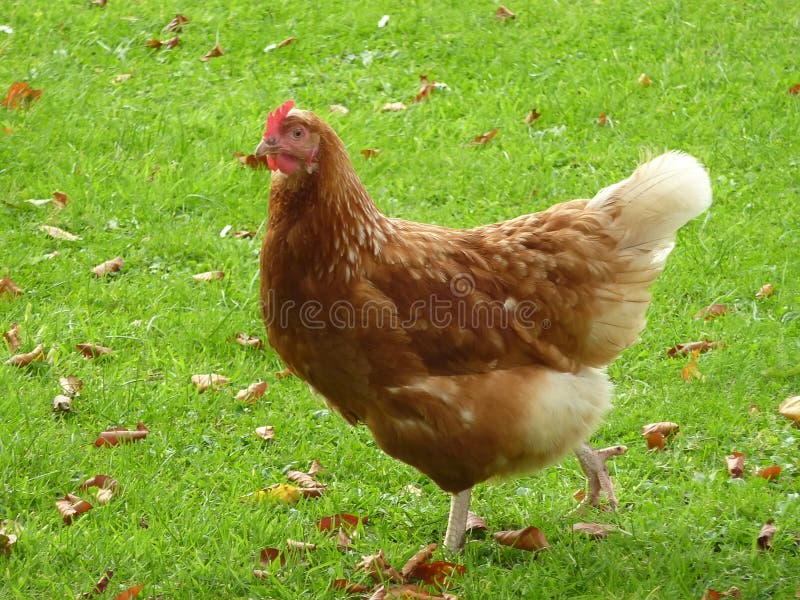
(141, 141)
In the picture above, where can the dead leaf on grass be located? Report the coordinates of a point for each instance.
(93, 350)
(475, 523)
(426, 89)
(343, 541)
(20, 95)
(209, 276)
(303, 479)
(62, 403)
(502, 13)
(644, 80)
(686, 348)
(251, 160)
(765, 291)
(265, 432)
(656, 440)
(100, 586)
(594, 530)
(769, 473)
(213, 53)
(375, 566)
(110, 266)
(348, 587)
(71, 507)
(436, 573)
(735, 464)
(59, 234)
(121, 78)
(794, 90)
(713, 310)
(71, 385)
(343, 520)
(209, 380)
(664, 428)
(121, 435)
(790, 408)
(23, 360)
(157, 44)
(248, 341)
(253, 392)
(531, 539)
(9, 288)
(12, 338)
(484, 138)
(176, 23)
(370, 152)
(603, 120)
(60, 199)
(764, 540)
(532, 116)
(393, 107)
(338, 108)
(731, 592)
(130, 593)
(420, 557)
(315, 468)
(244, 234)
(691, 372)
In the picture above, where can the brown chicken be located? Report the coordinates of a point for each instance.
(469, 354)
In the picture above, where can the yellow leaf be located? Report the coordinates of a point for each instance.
(279, 492)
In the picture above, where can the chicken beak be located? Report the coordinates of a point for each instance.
(264, 148)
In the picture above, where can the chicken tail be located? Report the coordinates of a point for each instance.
(647, 210)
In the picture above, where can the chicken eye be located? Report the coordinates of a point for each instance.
(297, 133)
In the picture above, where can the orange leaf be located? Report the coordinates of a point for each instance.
(105, 482)
(130, 593)
(644, 80)
(769, 473)
(12, 337)
(170, 43)
(713, 310)
(764, 540)
(60, 199)
(602, 120)
(209, 276)
(20, 94)
(437, 572)
(208, 380)
(270, 555)
(7, 286)
(531, 538)
(370, 152)
(532, 116)
(426, 89)
(735, 464)
(420, 557)
(110, 266)
(100, 586)
(732, 592)
(251, 160)
(484, 138)
(502, 13)
(343, 585)
(283, 374)
(175, 24)
(594, 530)
(655, 440)
(92, 350)
(252, 392)
(214, 52)
(690, 371)
(794, 90)
(286, 42)
(688, 347)
(341, 520)
(71, 506)
(23, 360)
(120, 435)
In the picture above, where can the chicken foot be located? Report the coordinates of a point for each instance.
(593, 464)
(456, 534)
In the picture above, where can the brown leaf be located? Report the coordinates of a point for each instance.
(602, 120)
(23, 360)
(690, 371)
(344, 520)
(664, 428)
(393, 107)
(20, 94)
(214, 52)
(253, 392)
(209, 276)
(249, 341)
(686, 348)
(790, 408)
(286, 42)
(62, 403)
(105, 482)
(175, 24)
(252, 161)
(8, 287)
(579, 495)
(338, 108)
(93, 350)
(130, 593)
(769, 473)
(375, 566)
(71, 385)
(735, 463)
(265, 432)
(283, 374)
(764, 540)
(531, 539)
(656, 440)
(60, 199)
(765, 291)
(343, 540)
(794, 90)
(297, 545)
(315, 468)
(348, 587)
(484, 138)
(110, 266)
(100, 586)
(12, 337)
(732, 592)
(502, 13)
(244, 234)
(426, 89)
(208, 380)
(532, 116)
(72, 507)
(120, 435)
(303, 479)
(475, 523)
(436, 573)
(153, 173)
(267, 556)
(594, 530)
(713, 310)
(644, 80)
(7, 539)
(370, 152)
(170, 43)
(420, 557)
(59, 234)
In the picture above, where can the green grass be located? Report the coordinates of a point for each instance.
(720, 72)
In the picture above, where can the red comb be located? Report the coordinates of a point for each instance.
(275, 119)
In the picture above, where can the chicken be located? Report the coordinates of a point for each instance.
(469, 354)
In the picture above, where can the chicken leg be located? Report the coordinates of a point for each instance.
(457, 521)
(593, 464)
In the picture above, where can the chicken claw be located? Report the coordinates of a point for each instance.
(593, 464)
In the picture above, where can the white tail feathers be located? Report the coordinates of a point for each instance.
(649, 207)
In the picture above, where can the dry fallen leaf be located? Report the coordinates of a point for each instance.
(532, 116)
(484, 138)
(297, 545)
(315, 468)
(286, 42)
(58, 234)
(208, 380)
(252, 161)
(531, 539)
(393, 107)
(20, 94)
(130, 593)
(265, 432)
(23, 360)
(655, 440)
(62, 403)
(249, 341)
(252, 392)
(71, 507)
(420, 557)
(370, 152)
(436, 573)
(687, 348)
(60, 199)
(731, 592)
(502, 13)
(375, 566)
(735, 464)
(764, 540)
(644, 80)
(790, 408)
(122, 78)
(713, 310)
(344, 520)
(7, 539)
(170, 43)
(244, 234)
(71, 385)
(475, 523)
(594, 530)
(100, 586)
(304, 479)
(8, 287)
(348, 587)
(214, 52)
(120, 435)
(603, 119)
(175, 24)
(765, 291)
(794, 90)
(426, 89)
(339, 108)
(769, 473)
(93, 350)
(209, 276)
(12, 337)
(690, 371)
(343, 541)
(664, 428)
(110, 266)
(283, 374)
